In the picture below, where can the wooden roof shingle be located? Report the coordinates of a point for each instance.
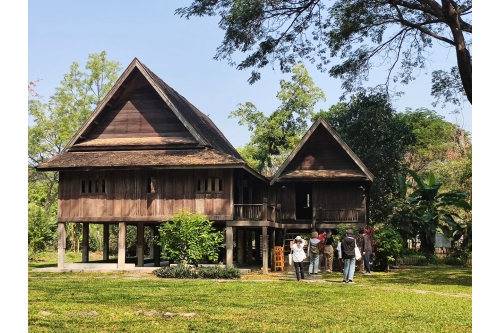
(356, 169)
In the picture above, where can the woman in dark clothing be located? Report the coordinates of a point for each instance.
(348, 256)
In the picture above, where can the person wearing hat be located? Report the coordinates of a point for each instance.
(328, 251)
(298, 256)
(348, 256)
(366, 250)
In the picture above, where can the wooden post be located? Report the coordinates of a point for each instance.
(257, 246)
(61, 244)
(320, 213)
(105, 242)
(140, 244)
(265, 253)
(122, 230)
(229, 246)
(240, 245)
(248, 246)
(272, 239)
(85, 246)
(264, 210)
(157, 250)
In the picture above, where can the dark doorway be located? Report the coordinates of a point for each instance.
(303, 197)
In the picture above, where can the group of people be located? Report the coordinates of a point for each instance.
(321, 245)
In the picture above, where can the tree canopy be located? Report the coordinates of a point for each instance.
(348, 38)
(274, 136)
(435, 138)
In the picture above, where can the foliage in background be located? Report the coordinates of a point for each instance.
(41, 229)
(189, 238)
(389, 245)
(371, 128)
(435, 138)
(348, 37)
(427, 210)
(272, 138)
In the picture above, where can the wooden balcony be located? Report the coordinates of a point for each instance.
(259, 213)
(330, 218)
(349, 215)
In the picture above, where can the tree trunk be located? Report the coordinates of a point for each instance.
(464, 60)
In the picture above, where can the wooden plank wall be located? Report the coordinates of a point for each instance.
(337, 195)
(321, 152)
(126, 194)
(138, 113)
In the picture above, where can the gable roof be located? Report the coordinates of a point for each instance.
(201, 127)
(355, 170)
(204, 145)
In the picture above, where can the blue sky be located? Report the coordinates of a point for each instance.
(181, 52)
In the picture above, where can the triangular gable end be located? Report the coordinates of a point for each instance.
(322, 125)
(116, 91)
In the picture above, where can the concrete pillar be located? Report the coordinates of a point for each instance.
(229, 246)
(240, 246)
(264, 250)
(122, 232)
(140, 245)
(85, 246)
(105, 242)
(61, 244)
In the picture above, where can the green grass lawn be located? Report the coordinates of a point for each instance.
(417, 299)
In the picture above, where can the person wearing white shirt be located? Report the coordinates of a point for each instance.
(298, 256)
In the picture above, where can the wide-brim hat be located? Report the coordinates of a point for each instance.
(299, 239)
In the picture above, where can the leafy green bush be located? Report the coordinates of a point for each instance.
(41, 229)
(219, 272)
(458, 258)
(389, 246)
(190, 272)
(177, 272)
(189, 238)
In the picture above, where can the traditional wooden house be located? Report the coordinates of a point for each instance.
(147, 153)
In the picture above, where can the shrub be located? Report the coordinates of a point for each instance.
(177, 272)
(458, 258)
(219, 272)
(191, 272)
(189, 238)
(389, 246)
(41, 229)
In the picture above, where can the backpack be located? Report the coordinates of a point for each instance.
(314, 248)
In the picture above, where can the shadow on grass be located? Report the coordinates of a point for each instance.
(430, 275)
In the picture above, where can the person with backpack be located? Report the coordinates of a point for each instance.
(348, 256)
(314, 249)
